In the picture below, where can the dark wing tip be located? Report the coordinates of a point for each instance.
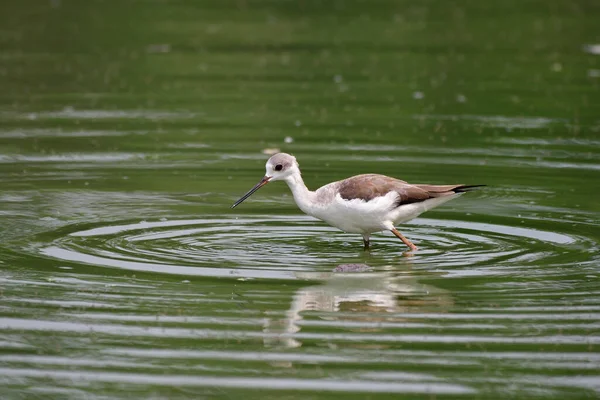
(466, 188)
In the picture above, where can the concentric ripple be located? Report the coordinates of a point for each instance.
(282, 247)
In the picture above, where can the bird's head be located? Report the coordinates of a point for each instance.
(279, 167)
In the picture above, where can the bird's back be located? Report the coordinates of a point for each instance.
(368, 187)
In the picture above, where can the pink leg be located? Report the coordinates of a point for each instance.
(404, 240)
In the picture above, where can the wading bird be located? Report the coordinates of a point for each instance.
(361, 204)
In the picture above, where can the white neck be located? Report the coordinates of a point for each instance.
(303, 197)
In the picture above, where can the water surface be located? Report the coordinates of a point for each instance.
(127, 132)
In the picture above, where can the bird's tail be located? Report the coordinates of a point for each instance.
(466, 188)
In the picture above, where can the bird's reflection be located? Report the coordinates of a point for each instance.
(354, 293)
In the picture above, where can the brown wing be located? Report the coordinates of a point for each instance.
(370, 186)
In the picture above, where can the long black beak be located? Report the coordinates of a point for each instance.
(260, 184)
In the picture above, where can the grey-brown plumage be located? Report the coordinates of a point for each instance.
(370, 186)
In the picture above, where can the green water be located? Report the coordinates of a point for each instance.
(128, 128)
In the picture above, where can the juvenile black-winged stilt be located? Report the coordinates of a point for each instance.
(360, 204)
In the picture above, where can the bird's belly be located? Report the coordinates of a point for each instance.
(353, 216)
(353, 223)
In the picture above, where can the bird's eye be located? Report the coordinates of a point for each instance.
(278, 167)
